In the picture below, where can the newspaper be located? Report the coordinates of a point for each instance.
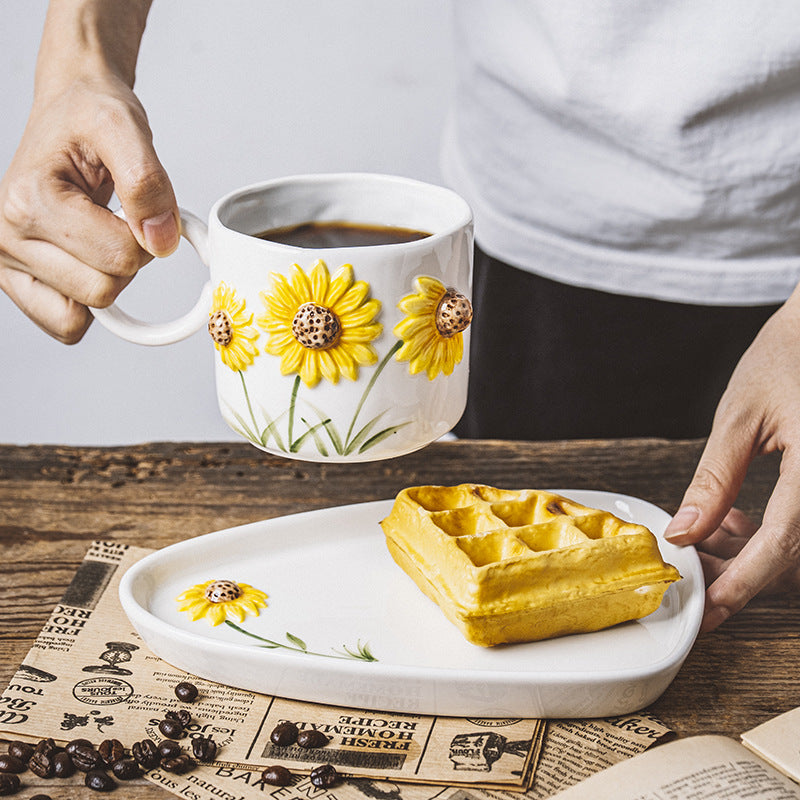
(89, 675)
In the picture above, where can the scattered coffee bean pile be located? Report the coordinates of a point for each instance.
(110, 761)
(285, 734)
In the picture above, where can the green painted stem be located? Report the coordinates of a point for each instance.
(249, 406)
(368, 389)
(272, 644)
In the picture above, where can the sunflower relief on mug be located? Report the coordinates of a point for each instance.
(338, 308)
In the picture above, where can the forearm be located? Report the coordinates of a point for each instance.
(82, 38)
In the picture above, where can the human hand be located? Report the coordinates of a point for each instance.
(724, 544)
(61, 249)
(758, 413)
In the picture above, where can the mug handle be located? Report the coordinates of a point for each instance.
(113, 318)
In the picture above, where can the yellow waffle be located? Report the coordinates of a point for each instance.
(518, 566)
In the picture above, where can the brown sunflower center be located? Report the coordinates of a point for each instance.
(220, 327)
(453, 314)
(222, 591)
(316, 327)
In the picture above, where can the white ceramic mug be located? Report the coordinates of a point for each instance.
(337, 353)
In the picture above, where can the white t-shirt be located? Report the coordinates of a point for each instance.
(644, 147)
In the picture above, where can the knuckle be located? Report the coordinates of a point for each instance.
(736, 417)
(113, 113)
(21, 209)
(146, 180)
(784, 542)
(101, 292)
(122, 261)
(72, 325)
(709, 480)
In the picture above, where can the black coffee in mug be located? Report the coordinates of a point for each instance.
(340, 234)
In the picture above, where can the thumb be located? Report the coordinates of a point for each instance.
(145, 191)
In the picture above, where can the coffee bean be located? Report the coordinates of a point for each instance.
(284, 734)
(20, 750)
(178, 764)
(111, 751)
(186, 692)
(171, 728)
(63, 766)
(70, 746)
(46, 746)
(99, 781)
(276, 776)
(182, 716)
(9, 783)
(86, 758)
(311, 738)
(169, 749)
(204, 749)
(126, 769)
(41, 765)
(9, 763)
(146, 753)
(324, 776)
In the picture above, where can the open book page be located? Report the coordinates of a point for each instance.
(700, 767)
(777, 741)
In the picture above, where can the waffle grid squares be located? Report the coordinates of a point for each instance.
(504, 564)
(491, 525)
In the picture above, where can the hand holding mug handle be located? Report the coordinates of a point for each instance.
(195, 231)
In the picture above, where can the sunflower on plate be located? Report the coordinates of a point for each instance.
(432, 330)
(217, 599)
(320, 326)
(230, 327)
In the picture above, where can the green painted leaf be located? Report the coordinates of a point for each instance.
(297, 641)
(379, 437)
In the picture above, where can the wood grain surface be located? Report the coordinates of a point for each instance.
(54, 500)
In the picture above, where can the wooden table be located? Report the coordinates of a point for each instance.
(55, 500)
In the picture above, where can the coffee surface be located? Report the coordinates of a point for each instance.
(340, 234)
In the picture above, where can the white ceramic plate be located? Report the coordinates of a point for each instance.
(332, 584)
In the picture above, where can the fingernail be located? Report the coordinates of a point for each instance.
(681, 522)
(161, 234)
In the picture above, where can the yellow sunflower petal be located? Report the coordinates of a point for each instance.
(195, 593)
(411, 327)
(419, 306)
(342, 280)
(430, 286)
(417, 345)
(275, 325)
(301, 285)
(279, 342)
(292, 359)
(363, 354)
(346, 363)
(200, 611)
(320, 279)
(423, 363)
(352, 298)
(362, 333)
(328, 367)
(282, 299)
(362, 315)
(310, 372)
